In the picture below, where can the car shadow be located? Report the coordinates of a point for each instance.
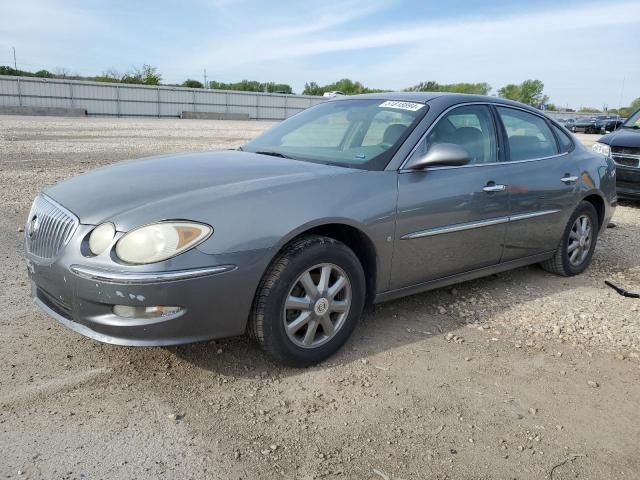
(424, 316)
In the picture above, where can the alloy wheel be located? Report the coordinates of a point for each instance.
(317, 305)
(580, 238)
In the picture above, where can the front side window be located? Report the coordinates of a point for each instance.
(472, 128)
(362, 133)
(633, 121)
(528, 135)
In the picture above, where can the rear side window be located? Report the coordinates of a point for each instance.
(566, 145)
(529, 136)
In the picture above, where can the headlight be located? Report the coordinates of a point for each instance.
(601, 148)
(157, 242)
(101, 238)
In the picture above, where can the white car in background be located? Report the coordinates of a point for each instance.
(333, 94)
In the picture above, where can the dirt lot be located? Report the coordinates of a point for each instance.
(520, 375)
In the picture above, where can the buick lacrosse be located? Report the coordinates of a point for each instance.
(354, 201)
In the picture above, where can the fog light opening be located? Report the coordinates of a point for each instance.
(156, 311)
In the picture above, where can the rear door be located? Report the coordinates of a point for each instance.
(544, 182)
(452, 219)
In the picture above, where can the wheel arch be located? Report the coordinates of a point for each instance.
(598, 203)
(349, 233)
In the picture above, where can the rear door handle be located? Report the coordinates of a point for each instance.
(494, 188)
(569, 179)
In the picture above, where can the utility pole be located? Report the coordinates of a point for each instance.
(15, 65)
(622, 91)
(205, 79)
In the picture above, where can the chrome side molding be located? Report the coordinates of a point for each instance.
(146, 277)
(459, 227)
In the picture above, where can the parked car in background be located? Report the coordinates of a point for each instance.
(585, 125)
(353, 201)
(333, 94)
(623, 147)
(608, 123)
(568, 123)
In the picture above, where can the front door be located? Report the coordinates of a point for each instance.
(452, 219)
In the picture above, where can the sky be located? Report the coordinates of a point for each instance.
(586, 52)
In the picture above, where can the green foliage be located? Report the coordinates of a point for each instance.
(147, 75)
(192, 83)
(471, 88)
(110, 76)
(252, 86)
(43, 74)
(529, 92)
(344, 85)
(635, 104)
(510, 92)
(5, 70)
(589, 110)
(551, 107)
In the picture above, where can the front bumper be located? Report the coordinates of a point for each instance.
(628, 182)
(215, 301)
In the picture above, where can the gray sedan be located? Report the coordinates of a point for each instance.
(357, 200)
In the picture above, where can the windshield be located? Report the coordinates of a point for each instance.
(357, 133)
(633, 121)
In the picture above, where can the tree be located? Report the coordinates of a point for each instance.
(192, 83)
(635, 104)
(589, 110)
(529, 92)
(110, 76)
(62, 72)
(252, 86)
(471, 88)
(5, 70)
(147, 75)
(344, 85)
(312, 88)
(43, 74)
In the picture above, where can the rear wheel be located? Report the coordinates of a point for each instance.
(578, 243)
(309, 301)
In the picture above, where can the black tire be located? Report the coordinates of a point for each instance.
(267, 320)
(560, 263)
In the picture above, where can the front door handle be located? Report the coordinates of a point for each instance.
(494, 188)
(569, 179)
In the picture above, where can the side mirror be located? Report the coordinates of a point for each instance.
(448, 154)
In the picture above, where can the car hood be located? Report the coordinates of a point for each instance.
(168, 186)
(623, 137)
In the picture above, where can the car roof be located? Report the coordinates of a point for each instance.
(425, 97)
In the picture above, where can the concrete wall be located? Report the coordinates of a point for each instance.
(51, 111)
(114, 99)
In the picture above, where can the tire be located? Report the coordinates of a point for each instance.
(285, 287)
(562, 262)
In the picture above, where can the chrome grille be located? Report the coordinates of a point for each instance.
(626, 156)
(626, 150)
(49, 228)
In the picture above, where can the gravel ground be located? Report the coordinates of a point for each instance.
(518, 375)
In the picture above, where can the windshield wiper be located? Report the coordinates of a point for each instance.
(634, 127)
(274, 154)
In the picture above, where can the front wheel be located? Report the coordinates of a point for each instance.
(309, 301)
(578, 243)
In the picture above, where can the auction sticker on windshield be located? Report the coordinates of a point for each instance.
(411, 106)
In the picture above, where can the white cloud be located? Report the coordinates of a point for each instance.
(568, 48)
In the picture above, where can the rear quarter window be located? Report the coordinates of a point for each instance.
(566, 144)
